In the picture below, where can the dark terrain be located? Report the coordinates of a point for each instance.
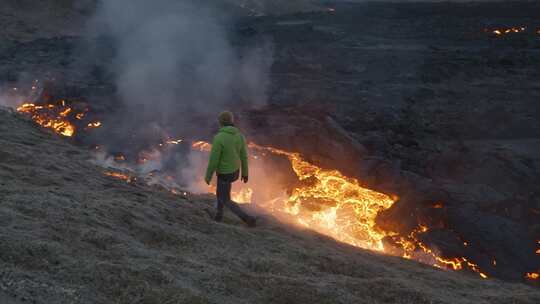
(439, 109)
(419, 100)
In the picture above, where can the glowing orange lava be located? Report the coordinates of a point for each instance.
(174, 141)
(202, 146)
(333, 204)
(57, 116)
(120, 176)
(509, 30)
(338, 206)
(95, 124)
(50, 116)
(415, 249)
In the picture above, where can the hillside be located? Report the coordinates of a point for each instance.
(430, 106)
(70, 234)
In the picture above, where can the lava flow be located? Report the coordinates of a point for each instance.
(50, 116)
(58, 117)
(414, 248)
(333, 204)
(338, 206)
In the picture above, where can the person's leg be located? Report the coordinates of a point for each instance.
(238, 211)
(224, 185)
(223, 194)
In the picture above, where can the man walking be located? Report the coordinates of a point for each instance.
(228, 156)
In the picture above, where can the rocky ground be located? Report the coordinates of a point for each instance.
(423, 101)
(436, 107)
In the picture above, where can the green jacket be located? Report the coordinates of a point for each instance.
(229, 153)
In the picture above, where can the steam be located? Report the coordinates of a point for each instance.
(194, 172)
(174, 69)
(174, 58)
(14, 94)
(10, 98)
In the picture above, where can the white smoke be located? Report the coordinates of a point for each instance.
(174, 64)
(194, 173)
(174, 58)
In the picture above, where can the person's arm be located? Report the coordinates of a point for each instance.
(244, 160)
(213, 161)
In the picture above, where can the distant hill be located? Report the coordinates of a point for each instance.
(68, 17)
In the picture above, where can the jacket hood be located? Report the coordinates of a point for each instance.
(229, 130)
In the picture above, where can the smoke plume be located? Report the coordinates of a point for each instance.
(174, 68)
(175, 59)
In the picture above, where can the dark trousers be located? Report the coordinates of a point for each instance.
(224, 183)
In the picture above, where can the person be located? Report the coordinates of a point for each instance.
(228, 155)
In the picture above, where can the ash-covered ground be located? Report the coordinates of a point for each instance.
(421, 100)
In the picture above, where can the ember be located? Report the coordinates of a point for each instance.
(202, 146)
(95, 124)
(121, 176)
(174, 141)
(506, 31)
(119, 158)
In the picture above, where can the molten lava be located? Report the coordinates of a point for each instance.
(414, 248)
(50, 116)
(120, 176)
(174, 141)
(338, 206)
(202, 146)
(333, 204)
(507, 31)
(244, 196)
(95, 124)
(58, 117)
(329, 203)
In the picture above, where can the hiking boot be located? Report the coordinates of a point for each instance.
(218, 218)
